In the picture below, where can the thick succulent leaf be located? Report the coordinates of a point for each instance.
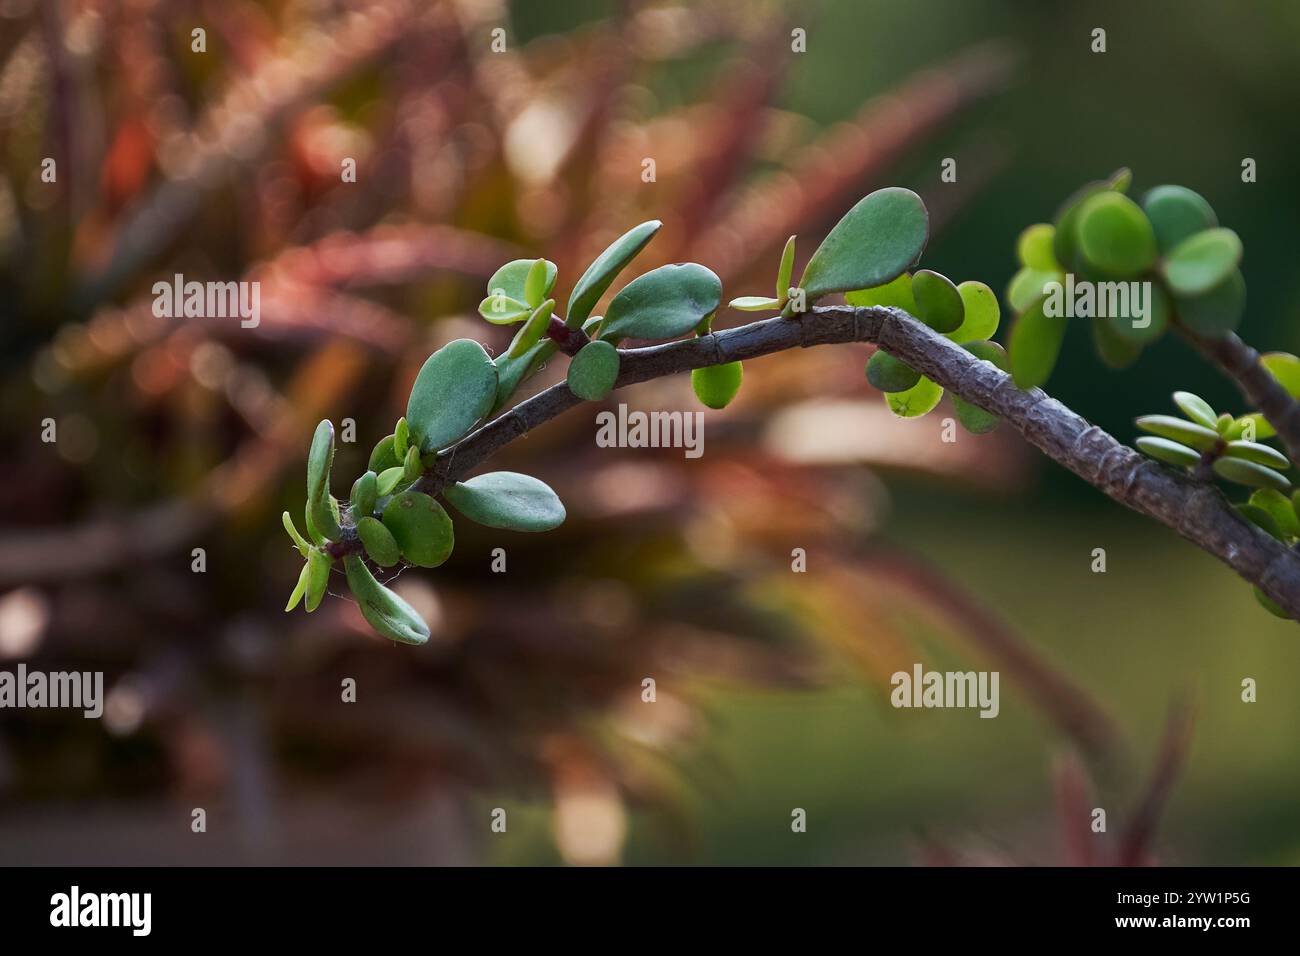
(300, 588)
(401, 438)
(939, 304)
(664, 303)
(1065, 242)
(896, 294)
(389, 479)
(877, 240)
(512, 280)
(1177, 213)
(916, 401)
(413, 467)
(506, 499)
(1115, 350)
(602, 271)
(1280, 508)
(320, 459)
(754, 303)
(453, 392)
(503, 310)
(387, 613)
(1218, 311)
(1027, 286)
(513, 370)
(1284, 367)
(974, 419)
(716, 385)
(1260, 517)
(1259, 454)
(785, 273)
(990, 352)
(365, 491)
(1202, 262)
(385, 454)
(1115, 235)
(593, 371)
(379, 542)
(298, 541)
(981, 313)
(1034, 248)
(888, 374)
(318, 578)
(1250, 474)
(1180, 430)
(539, 282)
(421, 528)
(1141, 330)
(1035, 345)
(1197, 409)
(531, 332)
(1170, 452)
(1268, 604)
(1252, 427)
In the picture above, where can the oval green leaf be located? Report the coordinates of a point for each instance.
(379, 542)
(939, 304)
(1034, 248)
(786, 270)
(318, 578)
(916, 401)
(896, 294)
(421, 528)
(716, 385)
(754, 303)
(385, 454)
(1034, 346)
(387, 613)
(1180, 430)
(1115, 235)
(453, 392)
(664, 303)
(506, 499)
(320, 459)
(981, 313)
(1284, 367)
(593, 283)
(1250, 474)
(1170, 452)
(593, 371)
(1202, 262)
(511, 280)
(1259, 454)
(888, 374)
(881, 237)
(1280, 508)
(365, 490)
(1197, 409)
(1177, 213)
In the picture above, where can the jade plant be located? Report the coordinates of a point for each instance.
(932, 336)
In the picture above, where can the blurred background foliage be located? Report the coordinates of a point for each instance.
(772, 687)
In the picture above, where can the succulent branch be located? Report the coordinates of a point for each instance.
(931, 335)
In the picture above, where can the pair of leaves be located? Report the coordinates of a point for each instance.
(517, 289)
